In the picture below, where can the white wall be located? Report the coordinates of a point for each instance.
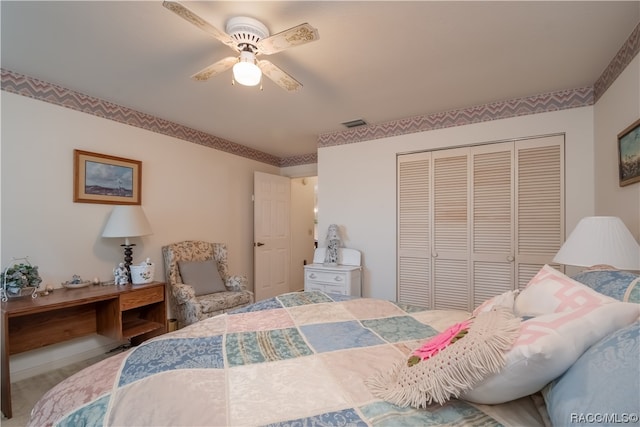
(357, 187)
(188, 192)
(618, 107)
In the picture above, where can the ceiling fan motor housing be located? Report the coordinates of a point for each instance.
(247, 32)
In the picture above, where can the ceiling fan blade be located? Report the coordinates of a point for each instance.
(282, 79)
(190, 16)
(216, 68)
(300, 34)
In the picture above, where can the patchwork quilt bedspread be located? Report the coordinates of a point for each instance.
(297, 359)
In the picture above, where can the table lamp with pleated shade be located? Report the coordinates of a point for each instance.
(127, 221)
(602, 241)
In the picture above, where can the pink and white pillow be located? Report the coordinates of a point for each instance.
(570, 318)
(551, 291)
(548, 345)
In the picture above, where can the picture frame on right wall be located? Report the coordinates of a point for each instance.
(629, 154)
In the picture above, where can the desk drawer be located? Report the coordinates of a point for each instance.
(141, 297)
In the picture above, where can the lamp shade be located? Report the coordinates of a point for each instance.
(127, 221)
(600, 240)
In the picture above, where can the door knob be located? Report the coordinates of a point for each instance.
(259, 244)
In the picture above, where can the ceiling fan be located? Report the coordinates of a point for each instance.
(250, 38)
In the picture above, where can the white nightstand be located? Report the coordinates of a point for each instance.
(344, 278)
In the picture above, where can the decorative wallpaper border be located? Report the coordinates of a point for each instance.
(554, 101)
(43, 91)
(573, 98)
(625, 55)
(482, 113)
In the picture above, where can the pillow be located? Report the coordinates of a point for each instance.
(550, 291)
(203, 276)
(621, 285)
(505, 300)
(450, 362)
(604, 381)
(547, 346)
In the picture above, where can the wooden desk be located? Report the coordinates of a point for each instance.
(129, 312)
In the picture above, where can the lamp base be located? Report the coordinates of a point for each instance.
(128, 256)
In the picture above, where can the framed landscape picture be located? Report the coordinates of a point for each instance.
(100, 178)
(629, 154)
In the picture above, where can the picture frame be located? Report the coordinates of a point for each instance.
(629, 154)
(101, 178)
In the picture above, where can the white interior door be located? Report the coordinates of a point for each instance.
(271, 232)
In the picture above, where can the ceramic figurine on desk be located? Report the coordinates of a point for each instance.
(333, 243)
(120, 275)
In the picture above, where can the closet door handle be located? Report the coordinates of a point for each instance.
(510, 258)
(434, 255)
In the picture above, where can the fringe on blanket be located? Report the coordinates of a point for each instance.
(453, 370)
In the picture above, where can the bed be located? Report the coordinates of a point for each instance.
(303, 358)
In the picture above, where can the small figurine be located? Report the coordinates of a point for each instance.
(120, 275)
(75, 279)
(333, 243)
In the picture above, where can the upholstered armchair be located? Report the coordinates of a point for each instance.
(202, 298)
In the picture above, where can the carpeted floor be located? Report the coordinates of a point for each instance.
(25, 393)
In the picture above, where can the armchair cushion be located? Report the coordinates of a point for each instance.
(203, 276)
(221, 302)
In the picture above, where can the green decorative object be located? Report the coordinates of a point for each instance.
(20, 279)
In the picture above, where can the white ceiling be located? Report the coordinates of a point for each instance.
(375, 60)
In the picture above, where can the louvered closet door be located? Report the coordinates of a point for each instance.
(492, 229)
(539, 204)
(414, 247)
(477, 221)
(450, 228)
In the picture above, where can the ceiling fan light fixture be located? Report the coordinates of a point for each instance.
(246, 72)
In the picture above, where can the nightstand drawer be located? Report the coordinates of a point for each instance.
(141, 297)
(327, 287)
(327, 276)
(340, 279)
